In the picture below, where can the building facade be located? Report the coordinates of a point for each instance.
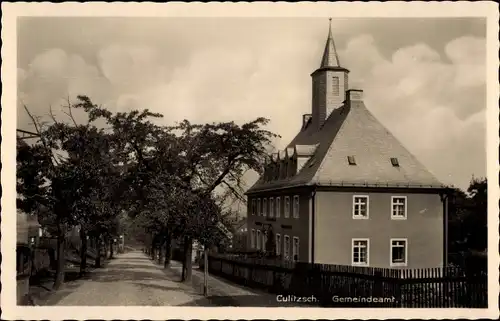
(240, 238)
(345, 190)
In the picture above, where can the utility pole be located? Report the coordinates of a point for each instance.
(205, 268)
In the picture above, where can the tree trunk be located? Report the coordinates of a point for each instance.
(98, 250)
(152, 253)
(168, 250)
(188, 260)
(105, 248)
(61, 260)
(160, 254)
(83, 251)
(111, 251)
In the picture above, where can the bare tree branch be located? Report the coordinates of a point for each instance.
(39, 132)
(52, 115)
(35, 123)
(70, 112)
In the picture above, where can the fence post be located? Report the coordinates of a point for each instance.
(378, 285)
(398, 284)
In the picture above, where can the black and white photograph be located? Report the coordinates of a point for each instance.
(163, 159)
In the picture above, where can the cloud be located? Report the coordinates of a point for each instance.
(130, 68)
(436, 107)
(52, 78)
(434, 103)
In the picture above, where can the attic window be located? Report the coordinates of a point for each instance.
(351, 160)
(394, 162)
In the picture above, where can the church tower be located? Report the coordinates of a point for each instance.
(329, 83)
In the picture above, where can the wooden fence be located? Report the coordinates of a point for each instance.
(348, 286)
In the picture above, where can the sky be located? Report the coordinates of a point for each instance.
(423, 78)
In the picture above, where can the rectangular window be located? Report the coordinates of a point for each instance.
(258, 240)
(395, 162)
(264, 240)
(398, 208)
(264, 207)
(278, 207)
(335, 86)
(278, 244)
(271, 207)
(252, 239)
(295, 248)
(259, 208)
(360, 251)
(286, 251)
(351, 160)
(287, 207)
(399, 252)
(296, 206)
(254, 210)
(360, 207)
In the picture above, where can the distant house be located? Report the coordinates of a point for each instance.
(345, 190)
(28, 228)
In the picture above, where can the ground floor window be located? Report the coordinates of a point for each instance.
(360, 251)
(399, 252)
(278, 244)
(287, 247)
(295, 248)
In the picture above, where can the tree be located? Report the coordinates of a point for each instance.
(75, 179)
(476, 222)
(215, 156)
(468, 214)
(177, 172)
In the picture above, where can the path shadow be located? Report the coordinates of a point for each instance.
(167, 288)
(235, 301)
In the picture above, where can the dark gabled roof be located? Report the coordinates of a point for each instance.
(352, 130)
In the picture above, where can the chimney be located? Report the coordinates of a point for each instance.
(354, 95)
(305, 120)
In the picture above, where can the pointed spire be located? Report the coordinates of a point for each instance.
(330, 57)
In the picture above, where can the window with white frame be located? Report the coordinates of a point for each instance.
(360, 207)
(295, 248)
(286, 250)
(399, 252)
(287, 207)
(360, 251)
(278, 207)
(278, 244)
(296, 206)
(271, 207)
(258, 240)
(398, 207)
(264, 207)
(259, 207)
(252, 239)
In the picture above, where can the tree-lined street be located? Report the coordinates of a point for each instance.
(132, 279)
(123, 175)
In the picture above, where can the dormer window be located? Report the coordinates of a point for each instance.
(395, 162)
(351, 160)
